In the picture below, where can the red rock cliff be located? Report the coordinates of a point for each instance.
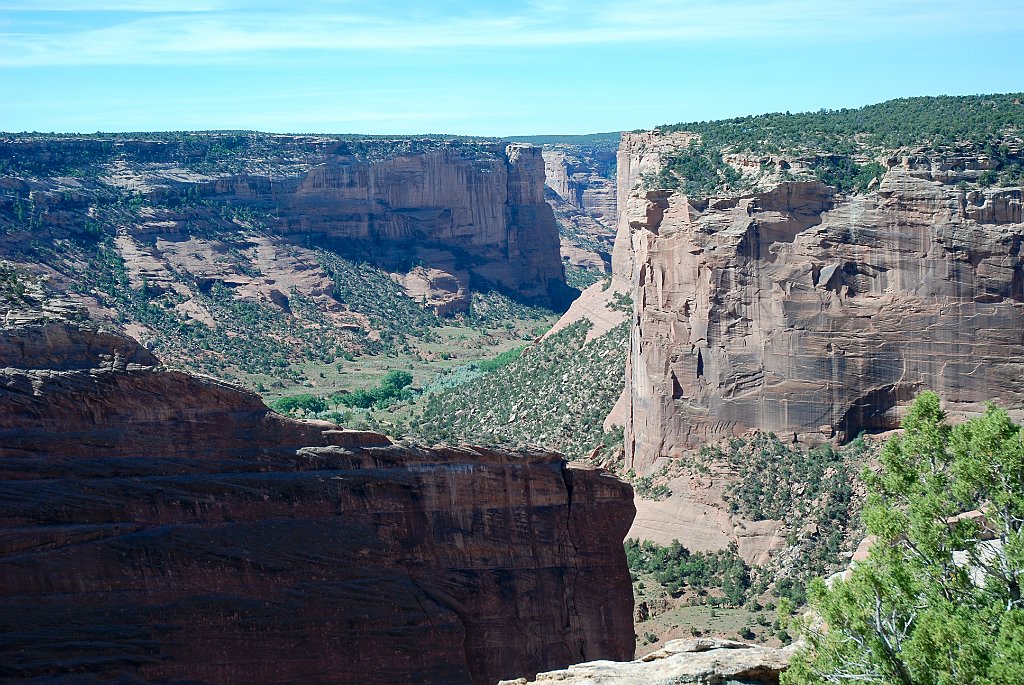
(486, 207)
(809, 314)
(159, 526)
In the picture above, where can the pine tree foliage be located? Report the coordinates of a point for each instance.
(938, 601)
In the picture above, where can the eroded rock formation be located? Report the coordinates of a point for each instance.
(812, 314)
(161, 526)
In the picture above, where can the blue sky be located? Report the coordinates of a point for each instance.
(483, 68)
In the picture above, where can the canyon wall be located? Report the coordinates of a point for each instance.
(811, 314)
(165, 527)
(446, 217)
(482, 211)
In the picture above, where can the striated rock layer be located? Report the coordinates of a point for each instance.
(814, 315)
(156, 526)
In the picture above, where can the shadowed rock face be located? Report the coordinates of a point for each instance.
(809, 314)
(158, 526)
(485, 212)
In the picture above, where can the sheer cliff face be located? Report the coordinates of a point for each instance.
(165, 527)
(485, 210)
(814, 315)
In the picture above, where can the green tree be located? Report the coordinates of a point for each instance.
(310, 404)
(391, 387)
(938, 601)
(396, 380)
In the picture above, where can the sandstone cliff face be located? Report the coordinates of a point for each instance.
(487, 207)
(160, 526)
(583, 197)
(699, 517)
(813, 315)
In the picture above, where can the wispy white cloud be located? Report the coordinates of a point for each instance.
(217, 30)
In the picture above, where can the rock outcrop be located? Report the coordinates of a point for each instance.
(812, 314)
(697, 515)
(164, 527)
(699, 661)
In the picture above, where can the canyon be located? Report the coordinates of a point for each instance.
(583, 176)
(780, 297)
(581, 190)
(274, 261)
(162, 526)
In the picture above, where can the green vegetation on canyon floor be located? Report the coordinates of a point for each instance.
(554, 392)
(681, 571)
(812, 495)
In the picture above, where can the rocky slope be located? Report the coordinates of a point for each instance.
(161, 526)
(814, 313)
(556, 393)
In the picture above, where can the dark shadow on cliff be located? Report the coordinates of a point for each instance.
(395, 257)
